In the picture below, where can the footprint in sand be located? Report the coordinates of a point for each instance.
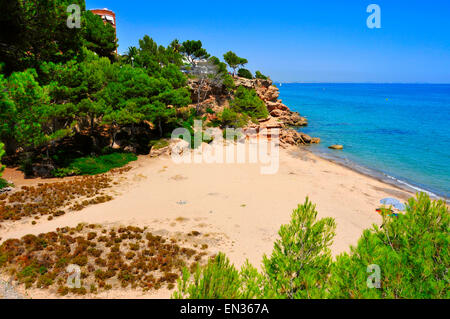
(178, 178)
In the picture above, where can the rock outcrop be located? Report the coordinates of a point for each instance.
(280, 116)
(270, 94)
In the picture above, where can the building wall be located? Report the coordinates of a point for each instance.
(105, 12)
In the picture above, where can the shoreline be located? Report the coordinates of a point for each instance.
(383, 177)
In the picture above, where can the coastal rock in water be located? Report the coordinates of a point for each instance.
(306, 138)
(293, 119)
(315, 140)
(336, 147)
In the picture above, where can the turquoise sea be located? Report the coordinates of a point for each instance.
(397, 132)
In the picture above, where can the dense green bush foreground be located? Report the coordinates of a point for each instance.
(411, 252)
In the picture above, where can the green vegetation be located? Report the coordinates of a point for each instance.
(193, 50)
(411, 251)
(234, 61)
(3, 182)
(259, 75)
(65, 94)
(95, 165)
(230, 118)
(158, 144)
(247, 101)
(2, 152)
(244, 73)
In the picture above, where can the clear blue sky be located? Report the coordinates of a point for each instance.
(303, 41)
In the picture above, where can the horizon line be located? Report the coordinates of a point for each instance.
(327, 82)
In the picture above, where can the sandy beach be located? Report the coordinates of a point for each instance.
(234, 205)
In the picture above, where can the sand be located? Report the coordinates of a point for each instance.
(240, 209)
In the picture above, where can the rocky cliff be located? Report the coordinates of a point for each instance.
(216, 98)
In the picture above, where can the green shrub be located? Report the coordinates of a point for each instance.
(244, 73)
(228, 82)
(411, 251)
(2, 152)
(3, 183)
(247, 101)
(158, 144)
(96, 165)
(230, 118)
(259, 75)
(67, 171)
(301, 258)
(218, 280)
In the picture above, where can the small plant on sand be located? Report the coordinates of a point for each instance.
(141, 261)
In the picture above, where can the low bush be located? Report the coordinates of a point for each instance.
(244, 73)
(259, 75)
(95, 165)
(411, 251)
(247, 101)
(230, 118)
(3, 183)
(2, 152)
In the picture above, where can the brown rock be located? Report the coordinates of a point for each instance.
(293, 119)
(336, 147)
(306, 138)
(276, 113)
(278, 105)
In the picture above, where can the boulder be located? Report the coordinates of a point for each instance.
(293, 119)
(306, 138)
(278, 105)
(315, 140)
(266, 94)
(130, 149)
(250, 84)
(161, 151)
(43, 170)
(336, 147)
(276, 113)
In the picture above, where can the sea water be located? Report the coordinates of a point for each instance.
(398, 132)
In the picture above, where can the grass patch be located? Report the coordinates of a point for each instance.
(3, 183)
(95, 165)
(158, 144)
